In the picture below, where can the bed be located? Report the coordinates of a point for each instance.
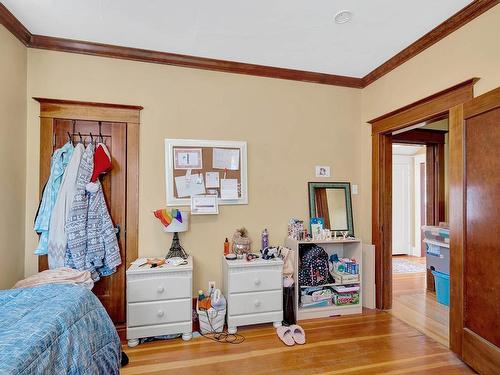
(56, 329)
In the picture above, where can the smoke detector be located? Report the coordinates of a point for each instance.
(343, 16)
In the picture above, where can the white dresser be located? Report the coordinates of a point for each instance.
(254, 292)
(159, 301)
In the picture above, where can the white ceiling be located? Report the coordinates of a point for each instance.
(297, 34)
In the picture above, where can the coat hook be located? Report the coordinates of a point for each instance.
(69, 138)
(80, 135)
(91, 138)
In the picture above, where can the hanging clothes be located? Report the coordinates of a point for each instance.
(102, 161)
(76, 221)
(57, 243)
(103, 252)
(59, 162)
(92, 242)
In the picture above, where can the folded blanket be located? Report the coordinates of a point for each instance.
(61, 275)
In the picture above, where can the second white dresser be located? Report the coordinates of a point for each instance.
(254, 292)
(159, 301)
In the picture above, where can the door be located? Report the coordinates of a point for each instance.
(401, 231)
(475, 224)
(111, 289)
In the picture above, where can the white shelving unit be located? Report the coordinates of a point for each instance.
(349, 248)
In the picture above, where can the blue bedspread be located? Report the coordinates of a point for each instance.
(56, 329)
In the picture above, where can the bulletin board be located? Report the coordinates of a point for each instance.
(191, 166)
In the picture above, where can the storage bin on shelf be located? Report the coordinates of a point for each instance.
(345, 295)
(316, 296)
(439, 234)
(345, 278)
(437, 248)
(329, 294)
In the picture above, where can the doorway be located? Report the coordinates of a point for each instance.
(415, 169)
(473, 137)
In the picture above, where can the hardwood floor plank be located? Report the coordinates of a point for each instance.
(414, 305)
(364, 344)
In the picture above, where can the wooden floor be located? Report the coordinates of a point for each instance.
(418, 307)
(371, 343)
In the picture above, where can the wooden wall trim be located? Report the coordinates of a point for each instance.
(420, 137)
(136, 54)
(112, 51)
(12, 24)
(459, 19)
(91, 111)
(457, 217)
(424, 109)
(435, 205)
(488, 102)
(88, 104)
(467, 83)
(481, 355)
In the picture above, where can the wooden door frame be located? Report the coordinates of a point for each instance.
(434, 140)
(458, 338)
(129, 115)
(425, 109)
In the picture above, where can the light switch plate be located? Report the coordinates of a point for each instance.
(354, 189)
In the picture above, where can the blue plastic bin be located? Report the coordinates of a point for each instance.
(442, 283)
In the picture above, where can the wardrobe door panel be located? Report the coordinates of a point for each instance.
(111, 289)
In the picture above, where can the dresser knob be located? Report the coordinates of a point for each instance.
(257, 282)
(256, 303)
(161, 289)
(161, 313)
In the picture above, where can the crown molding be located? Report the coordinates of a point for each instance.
(459, 19)
(137, 54)
(456, 21)
(12, 24)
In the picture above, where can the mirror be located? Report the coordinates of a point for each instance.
(332, 202)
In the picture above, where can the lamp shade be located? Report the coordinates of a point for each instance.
(177, 226)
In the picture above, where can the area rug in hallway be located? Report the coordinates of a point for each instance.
(406, 266)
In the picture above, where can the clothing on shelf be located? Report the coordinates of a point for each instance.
(58, 164)
(57, 235)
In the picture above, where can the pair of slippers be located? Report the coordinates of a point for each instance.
(292, 335)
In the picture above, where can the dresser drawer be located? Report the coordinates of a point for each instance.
(252, 303)
(254, 279)
(148, 313)
(158, 288)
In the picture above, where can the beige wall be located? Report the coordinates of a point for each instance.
(471, 51)
(12, 157)
(290, 127)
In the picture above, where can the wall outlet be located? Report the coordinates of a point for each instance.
(211, 285)
(354, 189)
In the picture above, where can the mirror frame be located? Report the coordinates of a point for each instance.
(346, 186)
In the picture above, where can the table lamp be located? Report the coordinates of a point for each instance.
(174, 221)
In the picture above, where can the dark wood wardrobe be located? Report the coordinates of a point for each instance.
(118, 127)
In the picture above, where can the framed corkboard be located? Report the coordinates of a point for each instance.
(199, 167)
